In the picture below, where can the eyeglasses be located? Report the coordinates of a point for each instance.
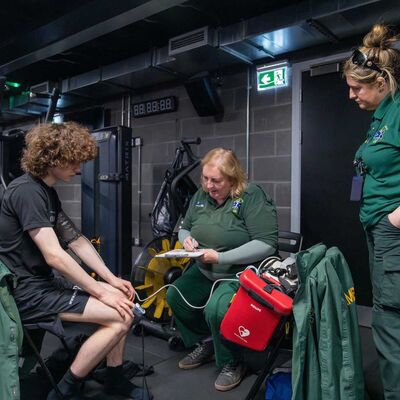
(361, 59)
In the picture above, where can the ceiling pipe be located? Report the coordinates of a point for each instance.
(304, 13)
(323, 30)
(66, 40)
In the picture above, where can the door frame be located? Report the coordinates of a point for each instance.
(297, 70)
(364, 312)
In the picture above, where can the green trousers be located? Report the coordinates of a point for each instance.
(197, 324)
(383, 241)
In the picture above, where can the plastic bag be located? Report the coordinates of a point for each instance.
(167, 208)
(279, 386)
(164, 214)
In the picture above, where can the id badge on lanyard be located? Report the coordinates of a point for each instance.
(357, 181)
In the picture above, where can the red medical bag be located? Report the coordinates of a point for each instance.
(255, 311)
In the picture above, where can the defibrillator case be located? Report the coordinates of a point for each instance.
(255, 311)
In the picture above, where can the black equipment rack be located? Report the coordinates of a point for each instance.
(107, 198)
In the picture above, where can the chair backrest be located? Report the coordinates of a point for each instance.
(289, 242)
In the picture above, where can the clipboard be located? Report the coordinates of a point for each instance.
(180, 253)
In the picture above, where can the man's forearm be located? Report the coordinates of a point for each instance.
(88, 254)
(57, 258)
(71, 270)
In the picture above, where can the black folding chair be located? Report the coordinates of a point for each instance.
(289, 242)
(33, 336)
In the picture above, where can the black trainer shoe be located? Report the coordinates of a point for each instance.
(202, 354)
(124, 387)
(54, 396)
(230, 376)
(129, 370)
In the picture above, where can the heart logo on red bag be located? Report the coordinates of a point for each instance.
(243, 332)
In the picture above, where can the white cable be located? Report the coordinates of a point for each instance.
(183, 298)
(212, 288)
(252, 267)
(266, 261)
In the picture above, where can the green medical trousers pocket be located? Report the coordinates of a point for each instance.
(384, 250)
(197, 324)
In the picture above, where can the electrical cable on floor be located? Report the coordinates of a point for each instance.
(144, 380)
(139, 313)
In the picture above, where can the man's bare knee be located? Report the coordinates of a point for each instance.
(119, 324)
(101, 314)
(128, 323)
(123, 326)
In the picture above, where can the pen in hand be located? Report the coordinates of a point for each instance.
(194, 244)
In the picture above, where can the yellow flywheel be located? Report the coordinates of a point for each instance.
(149, 274)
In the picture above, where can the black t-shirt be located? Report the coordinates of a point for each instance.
(28, 203)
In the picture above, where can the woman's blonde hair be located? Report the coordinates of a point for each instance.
(229, 166)
(378, 47)
(56, 145)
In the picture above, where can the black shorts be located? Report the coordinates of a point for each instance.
(41, 299)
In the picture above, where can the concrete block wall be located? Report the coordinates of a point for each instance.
(70, 196)
(270, 144)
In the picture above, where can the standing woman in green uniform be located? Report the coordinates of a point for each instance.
(233, 224)
(372, 74)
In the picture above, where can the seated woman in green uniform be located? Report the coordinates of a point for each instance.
(234, 225)
(372, 74)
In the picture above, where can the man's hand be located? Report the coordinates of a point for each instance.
(124, 286)
(209, 256)
(118, 301)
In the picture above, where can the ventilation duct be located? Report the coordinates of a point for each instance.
(191, 40)
(44, 88)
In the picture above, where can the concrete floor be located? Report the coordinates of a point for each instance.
(167, 381)
(171, 383)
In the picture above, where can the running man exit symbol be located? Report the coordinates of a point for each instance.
(271, 78)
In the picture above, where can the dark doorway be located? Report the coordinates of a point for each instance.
(332, 129)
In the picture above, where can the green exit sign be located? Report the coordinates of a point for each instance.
(269, 78)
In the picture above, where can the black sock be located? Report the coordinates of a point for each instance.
(69, 385)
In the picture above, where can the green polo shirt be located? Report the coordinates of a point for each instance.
(230, 225)
(381, 156)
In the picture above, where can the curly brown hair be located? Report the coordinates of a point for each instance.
(56, 145)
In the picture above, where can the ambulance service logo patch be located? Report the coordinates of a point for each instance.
(237, 203)
(378, 136)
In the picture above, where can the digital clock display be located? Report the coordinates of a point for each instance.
(156, 106)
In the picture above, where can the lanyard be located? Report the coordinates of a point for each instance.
(358, 163)
(360, 166)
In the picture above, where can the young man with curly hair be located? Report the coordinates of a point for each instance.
(34, 231)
